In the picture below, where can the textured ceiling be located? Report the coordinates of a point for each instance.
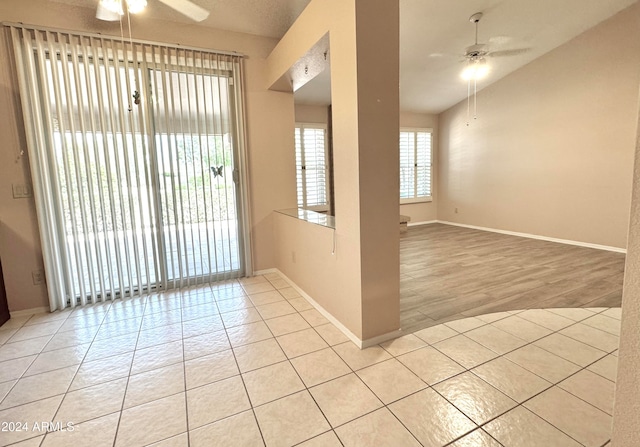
(433, 35)
(271, 18)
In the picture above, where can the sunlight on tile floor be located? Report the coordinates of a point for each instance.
(251, 362)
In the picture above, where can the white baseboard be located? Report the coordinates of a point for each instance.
(27, 312)
(426, 222)
(381, 338)
(353, 337)
(535, 236)
(266, 271)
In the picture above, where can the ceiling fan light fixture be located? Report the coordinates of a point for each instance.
(103, 13)
(475, 70)
(114, 6)
(136, 6)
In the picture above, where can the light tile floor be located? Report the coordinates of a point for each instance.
(251, 362)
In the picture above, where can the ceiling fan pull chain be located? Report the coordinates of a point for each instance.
(475, 99)
(136, 91)
(468, 100)
(124, 53)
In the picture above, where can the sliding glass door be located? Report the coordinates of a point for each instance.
(136, 165)
(196, 162)
(101, 178)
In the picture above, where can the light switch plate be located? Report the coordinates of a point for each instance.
(38, 277)
(21, 191)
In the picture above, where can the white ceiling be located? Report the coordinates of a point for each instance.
(428, 28)
(432, 84)
(271, 18)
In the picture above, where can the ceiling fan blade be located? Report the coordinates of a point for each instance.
(444, 55)
(506, 53)
(500, 41)
(187, 8)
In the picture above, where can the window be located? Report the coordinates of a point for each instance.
(415, 165)
(311, 166)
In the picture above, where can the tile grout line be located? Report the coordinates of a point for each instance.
(133, 358)
(501, 355)
(537, 394)
(288, 360)
(393, 356)
(354, 371)
(72, 379)
(179, 296)
(244, 385)
(184, 378)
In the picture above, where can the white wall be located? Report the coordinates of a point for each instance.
(552, 150)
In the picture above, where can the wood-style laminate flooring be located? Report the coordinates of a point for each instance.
(448, 273)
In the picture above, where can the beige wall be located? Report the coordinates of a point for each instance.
(269, 116)
(271, 161)
(359, 285)
(552, 150)
(626, 429)
(305, 254)
(345, 306)
(311, 114)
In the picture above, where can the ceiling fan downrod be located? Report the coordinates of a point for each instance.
(475, 18)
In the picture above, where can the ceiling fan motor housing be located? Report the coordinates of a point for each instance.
(476, 51)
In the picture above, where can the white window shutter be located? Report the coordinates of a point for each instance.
(311, 165)
(415, 164)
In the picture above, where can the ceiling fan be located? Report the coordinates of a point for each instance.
(111, 10)
(476, 54)
(476, 67)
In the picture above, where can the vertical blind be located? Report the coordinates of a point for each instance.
(415, 164)
(311, 166)
(138, 163)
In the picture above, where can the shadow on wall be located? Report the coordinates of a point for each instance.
(21, 256)
(19, 237)
(262, 253)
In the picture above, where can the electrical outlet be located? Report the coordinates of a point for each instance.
(21, 191)
(456, 211)
(38, 277)
(293, 257)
